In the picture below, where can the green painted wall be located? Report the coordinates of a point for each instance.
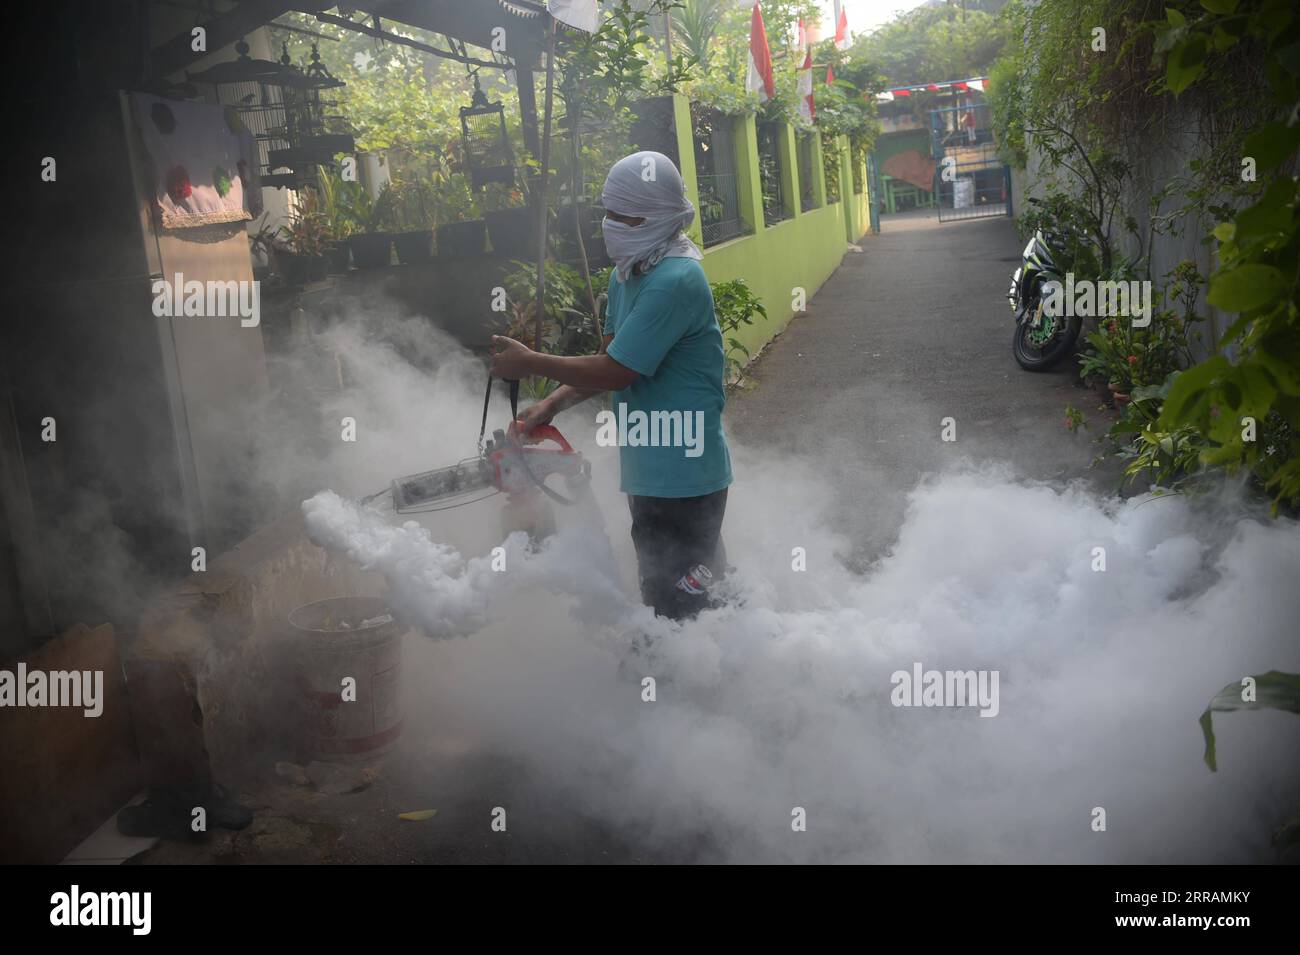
(800, 252)
(857, 219)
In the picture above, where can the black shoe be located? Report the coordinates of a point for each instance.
(168, 811)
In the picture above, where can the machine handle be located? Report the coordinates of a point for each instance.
(540, 433)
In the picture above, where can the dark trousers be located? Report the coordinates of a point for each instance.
(671, 536)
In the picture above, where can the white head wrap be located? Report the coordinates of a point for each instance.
(647, 184)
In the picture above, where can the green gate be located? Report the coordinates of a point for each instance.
(874, 196)
(970, 180)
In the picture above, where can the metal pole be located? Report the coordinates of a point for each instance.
(575, 191)
(668, 39)
(541, 184)
(404, 41)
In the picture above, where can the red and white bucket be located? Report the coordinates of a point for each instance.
(346, 638)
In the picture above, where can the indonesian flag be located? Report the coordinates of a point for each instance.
(759, 79)
(802, 40)
(581, 14)
(841, 27)
(830, 73)
(806, 107)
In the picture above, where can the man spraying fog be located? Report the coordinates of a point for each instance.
(662, 358)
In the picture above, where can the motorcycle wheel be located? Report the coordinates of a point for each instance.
(1033, 357)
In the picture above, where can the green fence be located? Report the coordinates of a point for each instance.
(789, 258)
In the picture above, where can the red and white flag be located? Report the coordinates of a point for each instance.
(807, 109)
(841, 27)
(759, 79)
(802, 40)
(582, 14)
(830, 74)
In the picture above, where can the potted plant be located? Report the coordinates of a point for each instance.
(338, 200)
(261, 245)
(372, 243)
(413, 210)
(510, 224)
(460, 233)
(300, 258)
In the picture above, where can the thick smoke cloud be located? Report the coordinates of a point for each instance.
(781, 698)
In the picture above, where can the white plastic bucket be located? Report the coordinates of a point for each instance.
(346, 638)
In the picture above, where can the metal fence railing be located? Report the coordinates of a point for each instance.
(831, 167)
(719, 208)
(974, 193)
(715, 165)
(807, 200)
(972, 182)
(776, 204)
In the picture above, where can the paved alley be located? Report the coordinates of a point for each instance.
(913, 329)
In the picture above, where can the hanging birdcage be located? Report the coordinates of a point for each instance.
(282, 106)
(486, 143)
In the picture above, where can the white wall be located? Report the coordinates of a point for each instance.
(1153, 164)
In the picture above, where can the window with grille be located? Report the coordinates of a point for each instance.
(715, 174)
(831, 166)
(776, 204)
(805, 149)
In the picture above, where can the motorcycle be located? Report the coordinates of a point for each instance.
(1041, 339)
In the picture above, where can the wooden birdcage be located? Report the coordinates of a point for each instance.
(486, 143)
(283, 107)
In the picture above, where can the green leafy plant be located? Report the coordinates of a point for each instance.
(735, 305)
(831, 153)
(362, 213)
(712, 208)
(498, 196)
(453, 201)
(1271, 690)
(1227, 397)
(262, 240)
(611, 67)
(1128, 357)
(696, 24)
(415, 205)
(339, 201)
(307, 231)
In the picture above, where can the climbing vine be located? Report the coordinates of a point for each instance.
(1097, 89)
(1244, 401)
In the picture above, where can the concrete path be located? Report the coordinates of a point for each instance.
(913, 329)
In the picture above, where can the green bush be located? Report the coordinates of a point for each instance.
(735, 305)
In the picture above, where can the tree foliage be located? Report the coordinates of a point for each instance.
(1257, 376)
(936, 42)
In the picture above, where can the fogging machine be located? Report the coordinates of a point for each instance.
(510, 461)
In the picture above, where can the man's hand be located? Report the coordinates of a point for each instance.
(514, 361)
(536, 415)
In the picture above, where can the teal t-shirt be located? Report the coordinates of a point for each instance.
(670, 419)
